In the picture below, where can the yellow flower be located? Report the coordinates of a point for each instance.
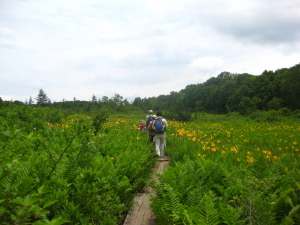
(199, 154)
(285, 169)
(223, 152)
(214, 149)
(250, 159)
(233, 149)
(238, 159)
(112, 158)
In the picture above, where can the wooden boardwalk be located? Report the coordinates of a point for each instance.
(141, 213)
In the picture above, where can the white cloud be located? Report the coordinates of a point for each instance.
(206, 63)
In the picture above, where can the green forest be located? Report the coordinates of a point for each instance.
(226, 93)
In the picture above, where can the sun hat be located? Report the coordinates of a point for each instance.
(150, 111)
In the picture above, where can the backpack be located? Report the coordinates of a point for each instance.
(159, 126)
(149, 119)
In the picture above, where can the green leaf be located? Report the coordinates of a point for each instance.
(34, 208)
(7, 133)
(44, 189)
(27, 201)
(2, 210)
(293, 211)
(18, 200)
(20, 211)
(48, 203)
(13, 216)
(41, 222)
(58, 220)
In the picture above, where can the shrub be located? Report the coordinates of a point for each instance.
(272, 116)
(182, 115)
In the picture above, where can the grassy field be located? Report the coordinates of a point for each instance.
(230, 171)
(224, 170)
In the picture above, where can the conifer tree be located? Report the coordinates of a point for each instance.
(42, 98)
(94, 99)
(30, 101)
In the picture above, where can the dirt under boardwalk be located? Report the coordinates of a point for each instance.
(141, 213)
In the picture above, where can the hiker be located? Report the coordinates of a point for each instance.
(151, 131)
(159, 126)
(148, 120)
(142, 127)
(149, 117)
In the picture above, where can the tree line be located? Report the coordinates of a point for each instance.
(242, 93)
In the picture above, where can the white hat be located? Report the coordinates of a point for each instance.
(150, 111)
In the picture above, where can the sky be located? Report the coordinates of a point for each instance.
(139, 48)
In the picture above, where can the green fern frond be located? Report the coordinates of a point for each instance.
(264, 213)
(208, 212)
(230, 215)
(193, 198)
(16, 174)
(294, 211)
(172, 199)
(287, 221)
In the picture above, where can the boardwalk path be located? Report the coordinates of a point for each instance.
(141, 213)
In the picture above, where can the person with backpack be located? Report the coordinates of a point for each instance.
(149, 118)
(159, 126)
(151, 131)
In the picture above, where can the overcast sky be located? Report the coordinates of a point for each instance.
(139, 48)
